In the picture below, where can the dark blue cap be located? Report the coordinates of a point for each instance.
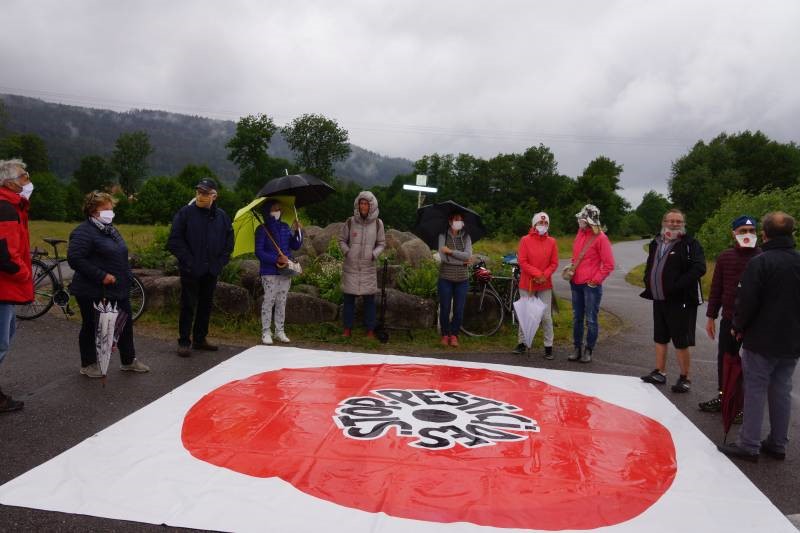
(206, 184)
(744, 220)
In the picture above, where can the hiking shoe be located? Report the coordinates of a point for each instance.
(266, 338)
(548, 353)
(91, 371)
(281, 336)
(738, 418)
(205, 346)
(8, 404)
(768, 450)
(454, 340)
(656, 377)
(184, 351)
(347, 332)
(682, 385)
(733, 450)
(713, 405)
(135, 366)
(519, 349)
(587, 355)
(577, 354)
(370, 334)
(445, 340)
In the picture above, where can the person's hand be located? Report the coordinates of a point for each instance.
(296, 225)
(540, 280)
(445, 250)
(283, 260)
(711, 328)
(592, 285)
(109, 279)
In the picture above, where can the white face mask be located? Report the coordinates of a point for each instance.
(26, 191)
(747, 240)
(457, 225)
(672, 234)
(275, 214)
(540, 229)
(106, 216)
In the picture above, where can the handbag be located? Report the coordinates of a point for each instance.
(291, 268)
(569, 271)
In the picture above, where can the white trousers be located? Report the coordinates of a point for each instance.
(275, 290)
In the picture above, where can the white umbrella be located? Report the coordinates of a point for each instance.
(530, 311)
(110, 321)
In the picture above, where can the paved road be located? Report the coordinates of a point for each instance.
(64, 408)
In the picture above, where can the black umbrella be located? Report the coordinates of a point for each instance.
(432, 221)
(305, 188)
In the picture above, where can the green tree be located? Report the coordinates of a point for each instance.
(318, 143)
(191, 174)
(252, 179)
(28, 147)
(48, 201)
(248, 146)
(159, 199)
(129, 159)
(650, 212)
(93, 173)
(598, 185)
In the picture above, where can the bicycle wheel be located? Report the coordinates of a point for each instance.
(483, 311)
(44, 286)
(137, 297)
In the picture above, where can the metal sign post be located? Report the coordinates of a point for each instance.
(421, 187)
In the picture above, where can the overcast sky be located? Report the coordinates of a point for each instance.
(639, 82)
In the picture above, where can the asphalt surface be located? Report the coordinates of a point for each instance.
(63, 408)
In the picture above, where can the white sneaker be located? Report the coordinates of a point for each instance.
(281, 336)
(91, 371)
(135, 366)
(266, 338)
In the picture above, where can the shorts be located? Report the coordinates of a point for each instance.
(674, 321)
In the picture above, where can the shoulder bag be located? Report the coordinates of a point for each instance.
(569, 270)
(291, 268)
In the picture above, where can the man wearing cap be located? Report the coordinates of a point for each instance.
(538, 259)
(767, 319)
(675, 264)
(201, 239)
(16, 285)
(592, 262)
(727, 273)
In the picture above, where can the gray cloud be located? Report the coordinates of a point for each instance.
(639, 82)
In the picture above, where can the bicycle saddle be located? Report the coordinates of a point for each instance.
(53, 242)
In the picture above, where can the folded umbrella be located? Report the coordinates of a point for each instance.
(732, 389)
(530, 310)
(110, 321)
(432, 221)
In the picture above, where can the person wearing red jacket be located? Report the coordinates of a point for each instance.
(538, 259)
(16, 286)
(593, 261)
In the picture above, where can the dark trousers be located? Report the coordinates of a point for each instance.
(197, 295)
(349, 312)
(452, 294)
(727, 344)
(127, 352)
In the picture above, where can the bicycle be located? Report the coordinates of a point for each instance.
(49, 288)
(486, 306)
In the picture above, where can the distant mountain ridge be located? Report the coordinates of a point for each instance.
(73, 132)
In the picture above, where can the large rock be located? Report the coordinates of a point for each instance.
(306, 289)
(146, 273)
(162, 292)
(414, 252)
(231, 299)
(323, 238)
(250, 276)
(306, 309)
(306, 249)
(402, 310)
(396, 238)
(310, 232)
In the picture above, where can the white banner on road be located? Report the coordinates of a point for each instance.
(295, 440)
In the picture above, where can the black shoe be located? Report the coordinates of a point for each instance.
(682, 385)
(713, 405)
(733, 450)
(8, 404)
(577, 354)
(656, 377)
(520, 349)
(184, 351)
(548, 353)
(587, 355)
(205, 346)
(771, 452)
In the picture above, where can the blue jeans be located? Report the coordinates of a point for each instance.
(766, 380)
(350, 311)
(451, 293)
(585, 306)
(8, 326)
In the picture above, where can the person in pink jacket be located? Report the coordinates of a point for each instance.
(538, 259)
(594, 262)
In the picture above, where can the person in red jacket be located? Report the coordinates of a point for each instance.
(538, 259)
(16, 286)
(727, 273)
(594, 262)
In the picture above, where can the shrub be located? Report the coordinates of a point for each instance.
(231, 273)
(420, 281)
(327, 276)
(156, 255)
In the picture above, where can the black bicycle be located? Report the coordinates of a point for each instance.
(49, 287)
(486, 305)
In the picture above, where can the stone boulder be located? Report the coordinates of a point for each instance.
(306, 309)
(306, 249)
(310, 232)
(414, 252)
(306, 289)
(396, 238)
(147, 273)
(322, 240)
(162, 292)
(249, 275)
(231, 299)
(402, 310)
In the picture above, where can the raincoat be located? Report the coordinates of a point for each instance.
(362, 241)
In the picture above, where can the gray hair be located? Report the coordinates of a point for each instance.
(9, 169)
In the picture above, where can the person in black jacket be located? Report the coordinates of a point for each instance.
(767, 320)
(99, 256)
(675, 264)
(201, 239)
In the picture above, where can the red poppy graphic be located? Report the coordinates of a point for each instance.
(558, 460)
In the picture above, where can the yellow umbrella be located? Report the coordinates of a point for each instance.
(248, 219)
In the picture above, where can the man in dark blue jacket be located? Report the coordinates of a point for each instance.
(767, 319)
(202, 240)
